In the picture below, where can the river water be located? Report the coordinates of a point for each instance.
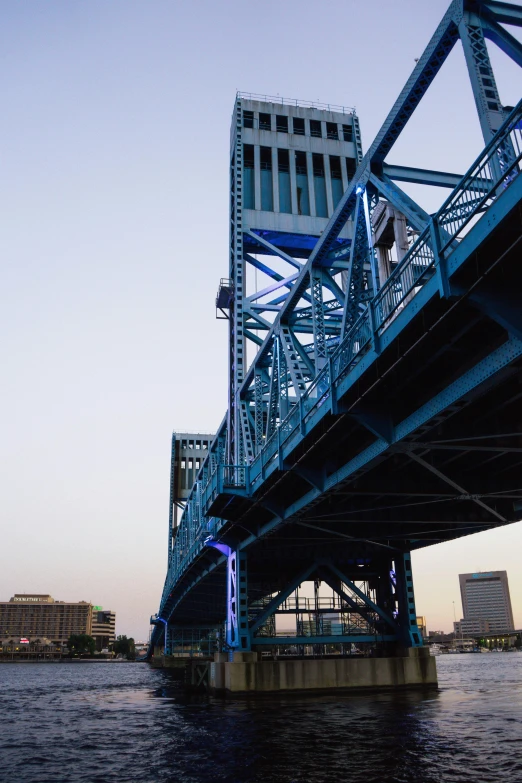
(103, 722)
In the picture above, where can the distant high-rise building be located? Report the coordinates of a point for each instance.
(486, 604)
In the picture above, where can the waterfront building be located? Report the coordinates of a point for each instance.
(486, 604)
(39, 616)
(103, 627)
(477, 626)
(16, 649)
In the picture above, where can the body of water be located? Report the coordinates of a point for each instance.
(104, 722)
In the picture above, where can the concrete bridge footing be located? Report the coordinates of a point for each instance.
(246, 674)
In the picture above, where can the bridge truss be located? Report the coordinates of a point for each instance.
(380, 411)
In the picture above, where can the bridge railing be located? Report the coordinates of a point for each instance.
(350, 349)
(485, 181)
(251, 96)
(405, 280)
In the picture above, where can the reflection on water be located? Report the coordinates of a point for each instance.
(126, 722)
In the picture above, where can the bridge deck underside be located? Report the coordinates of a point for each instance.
(457, 473)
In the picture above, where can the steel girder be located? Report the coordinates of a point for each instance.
(441, 179)
(382, 612)
(506, 13)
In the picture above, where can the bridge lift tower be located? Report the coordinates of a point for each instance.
(290, 163)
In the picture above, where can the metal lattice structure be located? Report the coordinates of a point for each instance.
(338, 422)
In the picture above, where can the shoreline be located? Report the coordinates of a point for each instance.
(70, 660)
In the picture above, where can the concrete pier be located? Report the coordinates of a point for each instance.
(191, 672)
(245, 674)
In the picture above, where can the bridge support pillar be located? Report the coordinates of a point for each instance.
(238, 634)
(407, 615)
(415, 668)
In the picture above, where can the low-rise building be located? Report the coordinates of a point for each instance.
(38, 616)
(477, 626)
(25, 649)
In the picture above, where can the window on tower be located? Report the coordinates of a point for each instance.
(299, 126)
(348, 132)
(332, 130)
(265, 121)
(315, 128)
(282, 123)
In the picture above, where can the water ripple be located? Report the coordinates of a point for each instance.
(97, 723)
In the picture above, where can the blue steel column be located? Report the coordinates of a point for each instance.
(359, 251)
(369, 238)
(172, 502)
(237, 346)
(258, 410)
(481, 75)
(407, 615)
(238, 634)
(165, 634)
(320, 350)
(490, 110)
(384, 595)
(357, 138)
(274, 398)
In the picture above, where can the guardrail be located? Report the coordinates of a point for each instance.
(251, 96)
(497, 166)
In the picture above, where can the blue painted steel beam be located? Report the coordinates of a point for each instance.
(487, 100)
(501, 306)
(273, 249)
(369, 603)
(286, 281)
(416, 216)
(504, 40)
(280, 597)
(331, 582)
(507, 13)
(439, 179)
(429, 64)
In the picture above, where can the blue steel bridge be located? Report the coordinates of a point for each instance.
(381, 411)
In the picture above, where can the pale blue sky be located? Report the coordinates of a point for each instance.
(113, 195)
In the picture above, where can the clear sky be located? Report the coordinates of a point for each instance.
(113, 196)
